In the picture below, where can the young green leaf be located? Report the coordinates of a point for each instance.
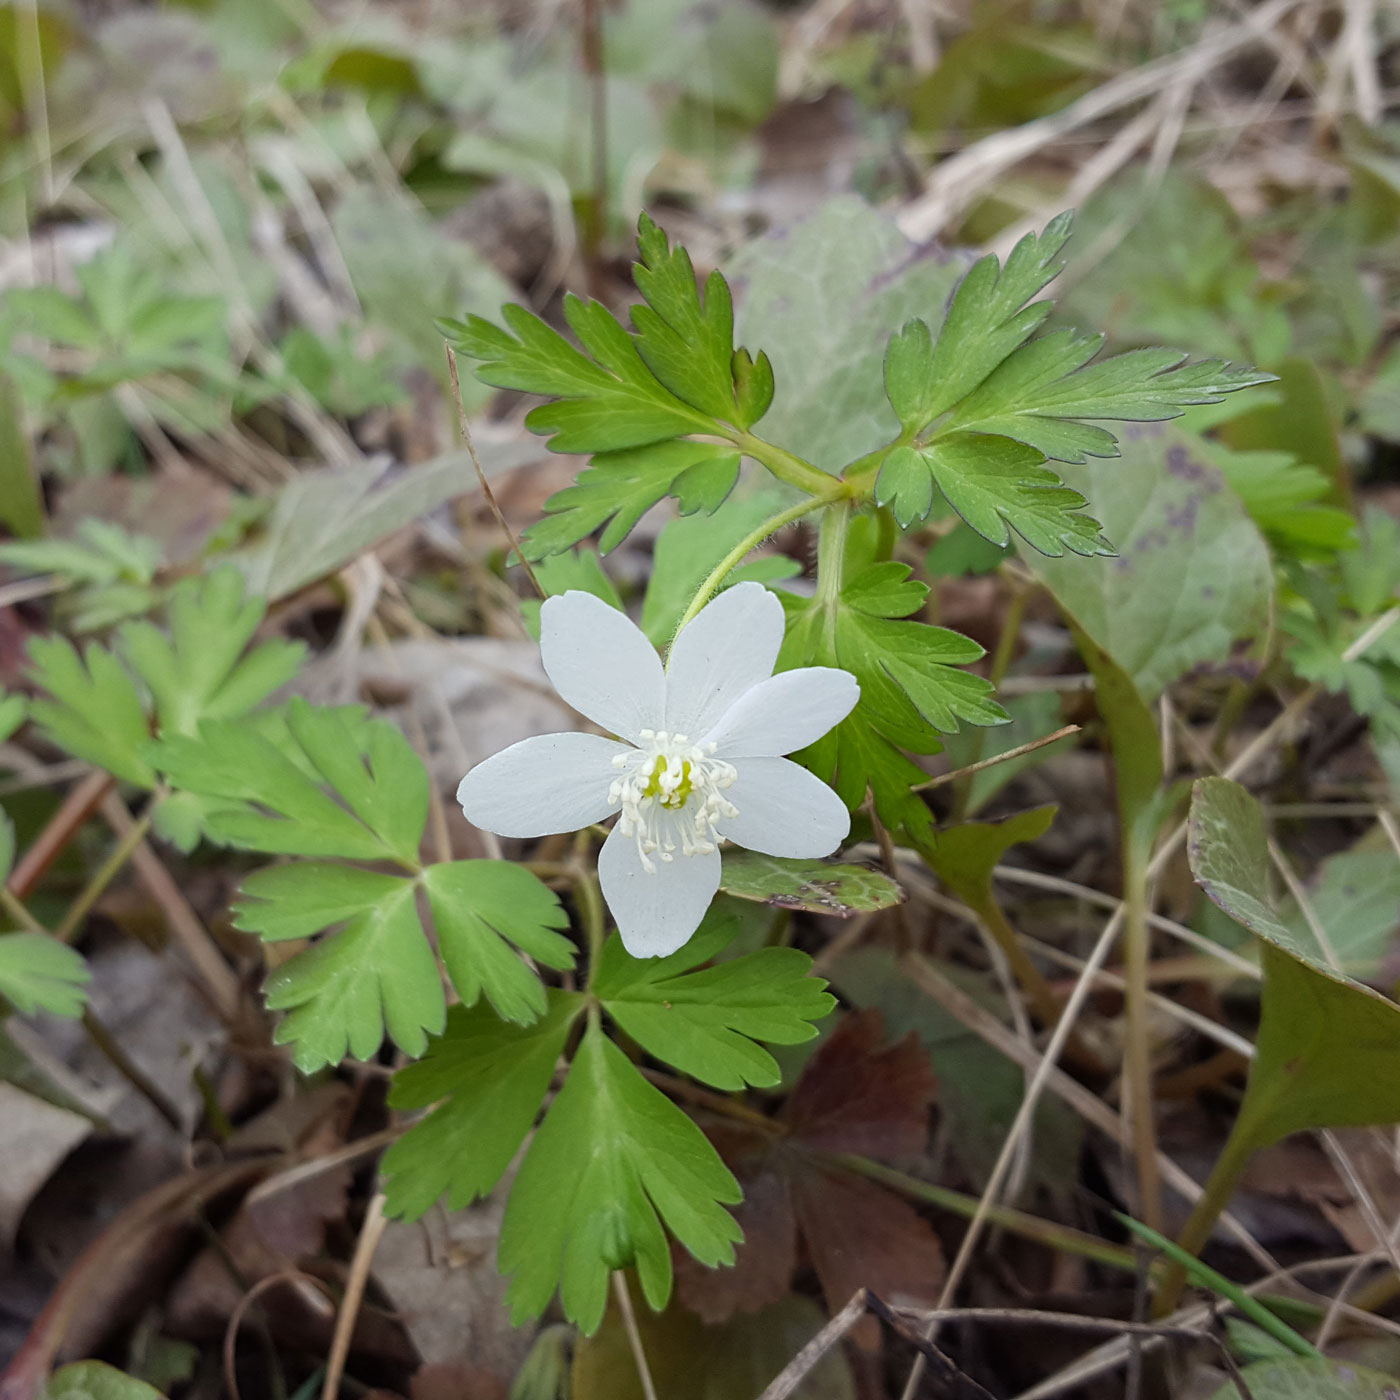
(987, 320)
(905, 484)
(706, 1023)
(13, 711)
(993, 483)
(368, 764)
(613, 1159)
(481, 908)
(38, 973)
(687, 344)
(484, 1080)
(200, 670)
(620, 487)
(91, 708)
(343, 993)
(911, 687)
(1039, 393)
(678, 374)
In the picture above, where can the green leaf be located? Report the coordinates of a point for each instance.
(368, 764)
(620, 487)
(95, 1380)
(820, 296)
(908, 369)
(993, 482)
(1038, 394)
(989, 318)
(1192, 571)
(91, 708)
(1326, 1053)
(905, 484)
(200, 670)
(910, 687)
(21, 504)
(1203, 1276)
(38, 973)
(816, 886)
(7, 846)
(344, 992)
(687, 344)
(706, 1023)
(484, 1080)
(1283, 497)
(678, 374)
(13, 711)
(1355, 896)
(322, 519)
(579, 569)
(481, 908)
(613, 1160)
(687, 549)
(1298, 1378)
(297, 901)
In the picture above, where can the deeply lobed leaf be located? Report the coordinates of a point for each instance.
(707, 1023)
(38, 973)
(484, 1080)
(613, 1159)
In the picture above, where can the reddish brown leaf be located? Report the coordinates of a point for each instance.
(856, 1097)
(764, 1262)
(861, 1236)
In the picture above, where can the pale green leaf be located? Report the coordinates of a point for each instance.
(816, 886)
(200, 670)
(38, 973)
(89, 707)
(1192, 572)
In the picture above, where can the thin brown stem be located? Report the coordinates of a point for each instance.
(465, 429)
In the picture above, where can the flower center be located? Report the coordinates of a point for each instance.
(671, 795)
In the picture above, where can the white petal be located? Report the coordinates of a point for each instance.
(785, 712)
(540, 786)
(601, 663)
(730, 646)
(657, 911)
(784, 810)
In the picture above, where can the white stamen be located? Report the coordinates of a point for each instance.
(671, 790)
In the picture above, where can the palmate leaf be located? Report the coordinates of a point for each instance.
(706, 1023)
(995, 484)
(1037, 393)
(200, 670)
(987, 319)
(379, 972)
(277, 803)
(679, 374)
(613, 1159)
(620, 487)
(90, 708)
(38, 973)
(911, 687)
(487, 1080)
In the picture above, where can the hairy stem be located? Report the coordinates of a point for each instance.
(751, 541)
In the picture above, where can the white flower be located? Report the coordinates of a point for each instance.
(701, 762)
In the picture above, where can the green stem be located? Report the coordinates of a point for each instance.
(106, 873)
(589, 897)
(751, 541)
(1137, 1053)
(16, 910)
(788, 466)
(1220, 1186)
(1031, 1227)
